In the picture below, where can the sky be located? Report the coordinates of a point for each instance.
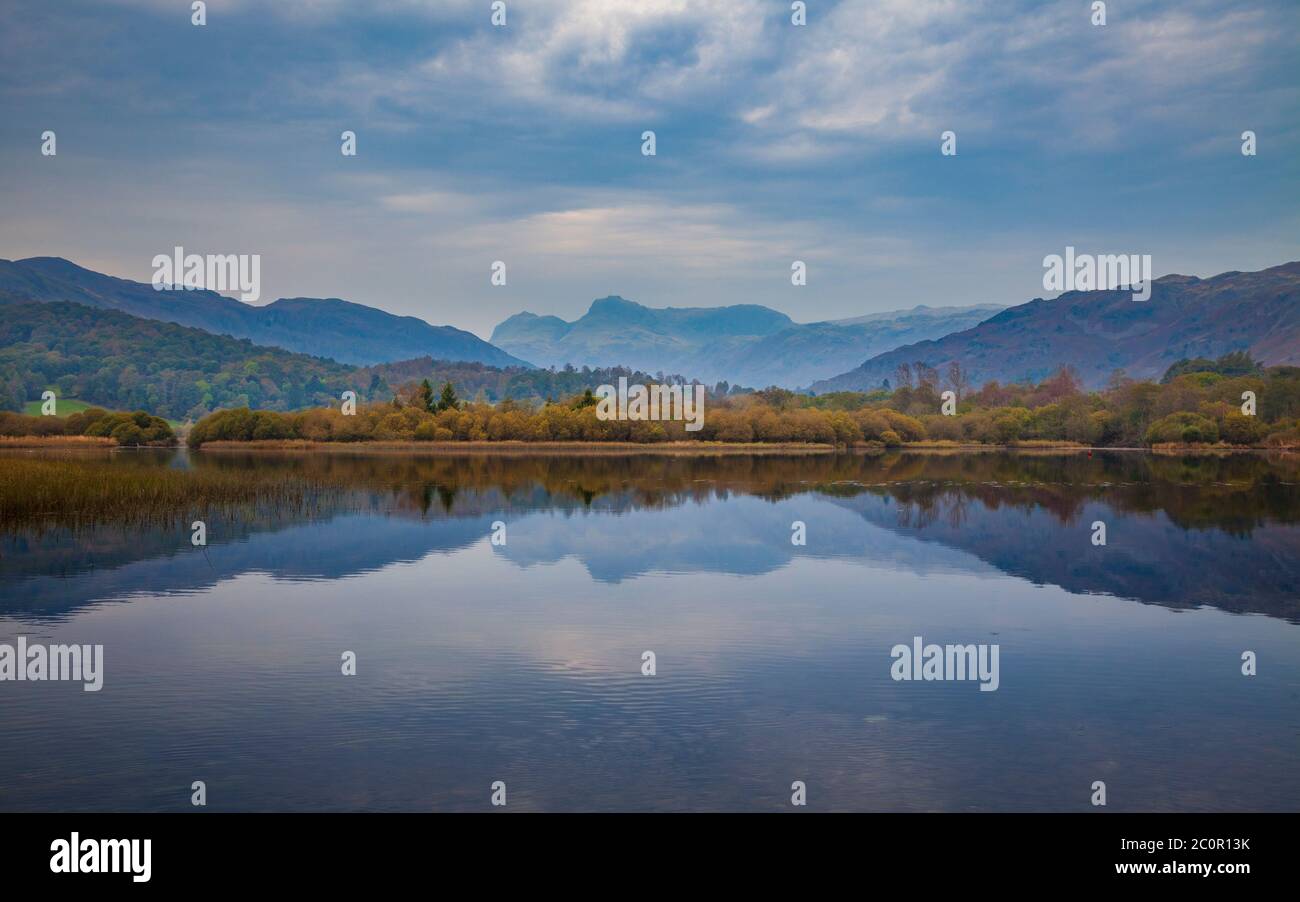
(774, 143)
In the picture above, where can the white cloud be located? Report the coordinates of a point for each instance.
(587, 59)
(905, 70)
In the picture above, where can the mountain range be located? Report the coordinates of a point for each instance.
(1098, 332)
(123, 362)
(1095, 332)
(745, 344)
(324, 327)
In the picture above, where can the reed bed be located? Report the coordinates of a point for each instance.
(56, 441)
(72, 490)
(84, 488)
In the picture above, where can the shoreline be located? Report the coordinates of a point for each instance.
(693, 448)
(451, 449)
(599, 449)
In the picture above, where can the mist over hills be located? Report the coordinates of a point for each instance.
(1098, 332)
(323, 327)
(743, 344)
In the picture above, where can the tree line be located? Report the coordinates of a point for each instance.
(131, 429)
(1199, 404)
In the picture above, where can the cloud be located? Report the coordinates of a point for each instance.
(593, 60)
(479, 143)
(902, 71)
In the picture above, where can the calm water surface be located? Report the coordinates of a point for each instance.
(522, 662)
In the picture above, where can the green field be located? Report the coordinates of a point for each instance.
(65, 407)
(68, 406)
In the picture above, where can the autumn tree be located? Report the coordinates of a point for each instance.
(957, 379)
(926, 375)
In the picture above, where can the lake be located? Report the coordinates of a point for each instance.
(499, 609)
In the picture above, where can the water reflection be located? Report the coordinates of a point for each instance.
(521, 662)
(1183, 531)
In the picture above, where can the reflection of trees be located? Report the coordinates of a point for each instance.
(914, 513)
(957, 511)
(919, 510)
(1233, 493)
(954, 499)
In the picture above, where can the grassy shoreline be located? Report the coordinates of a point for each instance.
(455, 448)
(689, 448)
(599, 448)
(520, 447)
(56, 441)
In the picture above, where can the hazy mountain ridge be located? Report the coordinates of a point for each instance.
(116, 360)
(324, 327)
(745, 344)
(1095, 332)
(1098, 332)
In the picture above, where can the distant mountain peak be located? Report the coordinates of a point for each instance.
(746, 344)
(615, 306)
(614, 301)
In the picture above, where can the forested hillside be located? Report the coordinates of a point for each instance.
(124, 362)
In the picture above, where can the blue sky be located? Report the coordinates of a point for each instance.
(775, 143)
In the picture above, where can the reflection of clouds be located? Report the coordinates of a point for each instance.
(565, 620)
(472, 664)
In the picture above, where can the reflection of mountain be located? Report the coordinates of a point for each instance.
(1147, 557)
(116, 566)
(1182, 532)
(743, 536)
